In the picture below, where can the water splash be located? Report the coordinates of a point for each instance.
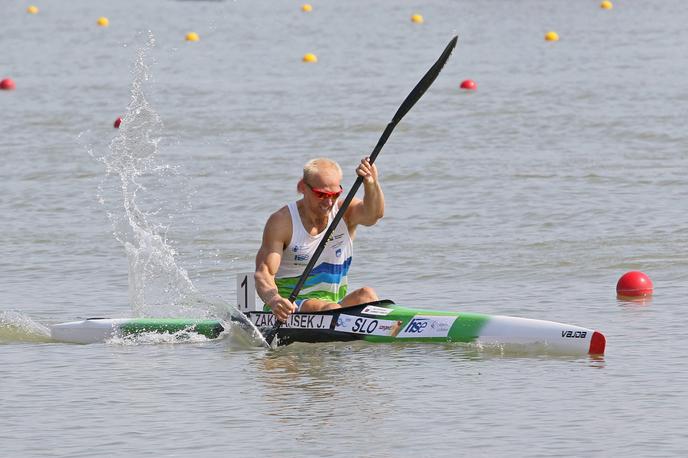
(17, 327)
(139, 191)
(155, 338)
(237, 337)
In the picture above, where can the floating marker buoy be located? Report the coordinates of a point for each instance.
(606, 5)
(634, 284)
(311, 58)
(552, 36)
(118, 121)
(7, 85)
(103, 21)
(192, 36)
(469, 85)
(306, 8)
(417, 18)
(32, 9)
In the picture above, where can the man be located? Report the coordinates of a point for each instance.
(292, 235)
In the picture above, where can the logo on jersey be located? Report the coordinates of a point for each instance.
(299, 256)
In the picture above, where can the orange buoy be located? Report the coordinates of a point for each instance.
(634, 284)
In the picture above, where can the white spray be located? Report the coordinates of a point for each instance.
(158, 286)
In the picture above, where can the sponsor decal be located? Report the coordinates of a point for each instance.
(339, 236)
(299, 254)
(338, 253)
(574, 334)
(374, 310)
(428, 326)
(368, 326)
(297, 320)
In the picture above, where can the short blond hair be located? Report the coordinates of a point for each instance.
(315, 166)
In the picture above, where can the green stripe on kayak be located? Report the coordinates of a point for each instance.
(466, 327)
(208, 328)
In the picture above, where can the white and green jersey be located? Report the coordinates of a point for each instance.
(328, 279)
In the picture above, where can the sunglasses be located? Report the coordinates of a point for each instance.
(322, 194)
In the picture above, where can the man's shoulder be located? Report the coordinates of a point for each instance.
(281, 216)
(279, 224)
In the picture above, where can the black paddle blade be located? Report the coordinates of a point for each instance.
(425, 82)
(272, 333)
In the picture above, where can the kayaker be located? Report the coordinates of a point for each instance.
(293, 232)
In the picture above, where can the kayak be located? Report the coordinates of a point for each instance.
(380, 322)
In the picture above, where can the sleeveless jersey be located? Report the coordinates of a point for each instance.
(328, 279)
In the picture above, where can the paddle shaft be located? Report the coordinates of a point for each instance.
(406, 105)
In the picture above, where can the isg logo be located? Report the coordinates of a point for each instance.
(417, 325)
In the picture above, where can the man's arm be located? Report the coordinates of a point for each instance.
(369, 210)
(276, 236)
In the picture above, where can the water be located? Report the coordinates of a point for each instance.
(528, 197)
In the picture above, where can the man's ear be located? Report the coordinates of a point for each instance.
(301, 187)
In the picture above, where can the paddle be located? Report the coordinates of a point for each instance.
(408, 103)
(248, 326)
(230, 314)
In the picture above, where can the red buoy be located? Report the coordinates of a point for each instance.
(634, 284)
(469, 85)
(7, 85)
(118, 121)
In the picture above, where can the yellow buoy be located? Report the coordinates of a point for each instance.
(552, 36)
(417, 18)
(103, 21)
(307, 8)
(310, 58)
(606, 5)
(192, 36)
(32, 9)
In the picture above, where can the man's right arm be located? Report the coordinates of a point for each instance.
(276, 236)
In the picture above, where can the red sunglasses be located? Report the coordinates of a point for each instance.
(322, 194)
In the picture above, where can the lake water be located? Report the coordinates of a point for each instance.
(528, 197)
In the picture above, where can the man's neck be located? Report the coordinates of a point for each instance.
(313, 223)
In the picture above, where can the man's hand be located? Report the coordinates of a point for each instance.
(367, 170)
(281, 307)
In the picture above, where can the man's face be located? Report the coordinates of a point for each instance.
(321, 191)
